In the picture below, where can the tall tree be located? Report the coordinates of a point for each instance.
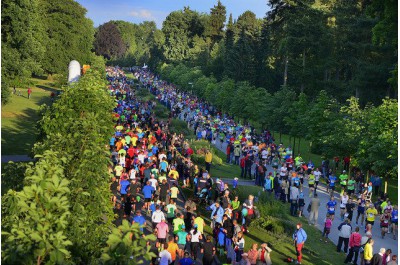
(217, 22)
(229, 70)
(22, 36)
(108, 41)
(69, 34)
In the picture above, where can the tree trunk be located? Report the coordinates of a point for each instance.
(286, 70)
(294, 145)
(326, 75)
(280, 136)
(304, 71)
(298, 146)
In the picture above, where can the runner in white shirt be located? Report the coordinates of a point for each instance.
(165, 256)
(317, 175)
(283, 170)
(153, 182)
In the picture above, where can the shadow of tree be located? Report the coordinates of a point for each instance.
(47, 88)
(20, 132)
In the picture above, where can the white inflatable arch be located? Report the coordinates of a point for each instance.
(74, 71)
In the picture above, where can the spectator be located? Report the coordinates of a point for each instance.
(264, 255)
(299, 238)
(368, 251)
(377, 259)
(344, 235)
(355, 244)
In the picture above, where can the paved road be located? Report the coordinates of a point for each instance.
(387, 242)
(16, 158)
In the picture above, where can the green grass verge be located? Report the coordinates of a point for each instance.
(19, 118)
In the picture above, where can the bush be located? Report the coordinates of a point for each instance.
(161, 111)
(270, 224)
(144, 94)
(13, 175)
(178, 126)
(198, 160)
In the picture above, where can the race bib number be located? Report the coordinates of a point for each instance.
(362, 204)
(331, 209)
(371, 215)
(385, 221)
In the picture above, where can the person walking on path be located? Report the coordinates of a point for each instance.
(299, 238)
(355, 244)
(315, 203)
(29, 92)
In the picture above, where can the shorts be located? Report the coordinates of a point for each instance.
(162, 240)
(394, 222)
(163, 198)
(370, 222)
(349, 192)
(327, 231)
(181, 246)
(147, 199)
(311, 185)
(332, 188)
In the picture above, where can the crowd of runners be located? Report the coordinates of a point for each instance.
(150, 163)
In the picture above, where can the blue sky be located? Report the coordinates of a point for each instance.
(101, 11)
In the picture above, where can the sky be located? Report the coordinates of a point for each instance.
(101, 11)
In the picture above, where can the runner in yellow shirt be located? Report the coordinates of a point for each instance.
(371, 213)
(173, 174)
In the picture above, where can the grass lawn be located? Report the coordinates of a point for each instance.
(19, 118)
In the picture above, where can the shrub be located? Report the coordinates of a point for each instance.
(178, 126)
(161, 111)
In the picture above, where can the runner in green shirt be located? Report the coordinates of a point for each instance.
(351, 186)
(343, 181)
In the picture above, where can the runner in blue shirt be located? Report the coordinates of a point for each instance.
(394, 220)
(138, 218)
(147, 193)
(331, 206)
(332, 181)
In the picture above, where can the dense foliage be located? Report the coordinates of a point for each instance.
(33, 43)
(65, 197)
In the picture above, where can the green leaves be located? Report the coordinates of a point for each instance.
(127, 245)
(37, 229)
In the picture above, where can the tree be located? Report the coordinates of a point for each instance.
(377, 149)
(217, 22)
(229, 70)
(77, 125)
(125, 245)
(37, 217)
(108, 41)
(68, 35)
(22, 36)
